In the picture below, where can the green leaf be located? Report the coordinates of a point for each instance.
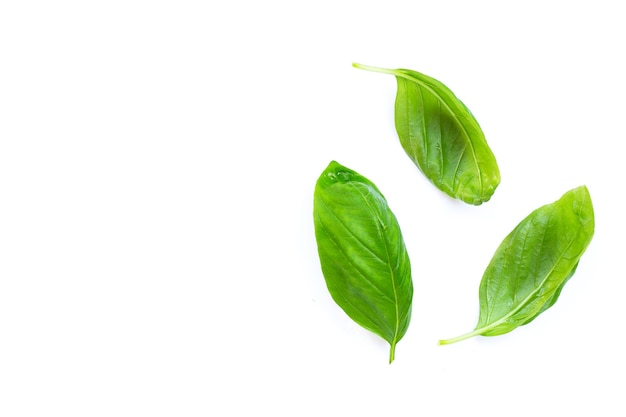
(442, 137)
(530, 267)
(362, 253)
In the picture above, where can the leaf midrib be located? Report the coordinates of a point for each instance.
(391, 271)
(526, 300)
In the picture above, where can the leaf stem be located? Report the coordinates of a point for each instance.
(392, 352)
(462, 337)
(374, 69)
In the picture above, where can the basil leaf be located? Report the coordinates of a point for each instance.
(442, 137)
(362, 253)
(530, 267)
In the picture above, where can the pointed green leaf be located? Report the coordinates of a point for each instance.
(362, 253)
(530, 267)
(442, 137)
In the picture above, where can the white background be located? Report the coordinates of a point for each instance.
(157, 165)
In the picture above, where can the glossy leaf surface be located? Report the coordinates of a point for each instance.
(442, 137)
(530, 267)
(362, 253)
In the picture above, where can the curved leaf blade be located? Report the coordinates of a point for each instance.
(362, 254)
(442, 137)
(532, 264)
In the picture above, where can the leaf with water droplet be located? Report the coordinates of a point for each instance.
(363, 257)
